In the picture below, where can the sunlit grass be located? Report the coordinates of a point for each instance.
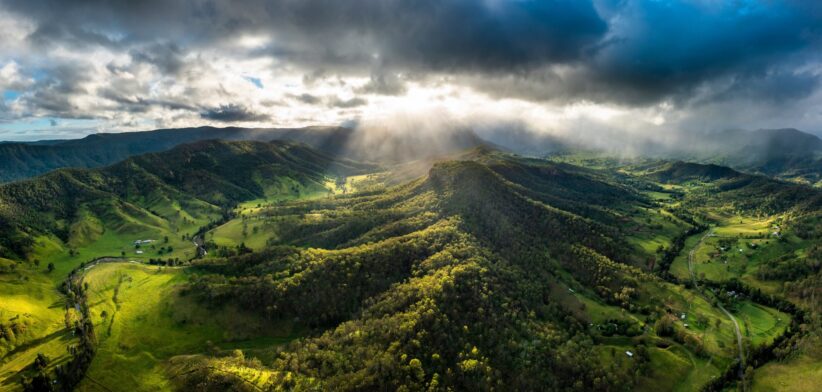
(147, 322)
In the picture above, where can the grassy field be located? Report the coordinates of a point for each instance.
(717, 339)
(801, 374)
(679, 268)
(675, 366)
(247, 228)
(671, 367)
(676, 369)
(652, 229)
(760, 324)
(141, 321)
(737, 225)
(252, 232)
(735, 249)
(29, 295)
(30, 299)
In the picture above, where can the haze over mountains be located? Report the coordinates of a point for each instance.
(785, 153)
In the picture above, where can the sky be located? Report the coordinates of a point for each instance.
(601, 67)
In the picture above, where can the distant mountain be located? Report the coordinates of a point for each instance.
(747, 191)
(784, 153)
(23, 160)
(776, 143)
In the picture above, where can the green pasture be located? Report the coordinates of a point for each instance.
(142, 320)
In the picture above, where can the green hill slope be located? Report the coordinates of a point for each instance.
(490, 271)
(164, 190)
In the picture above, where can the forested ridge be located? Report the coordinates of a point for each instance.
(24, 160)
(463, 302)
(490, 272)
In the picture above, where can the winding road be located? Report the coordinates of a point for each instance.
(691, 255)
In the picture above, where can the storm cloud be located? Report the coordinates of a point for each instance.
(232, 113)
(180, 61)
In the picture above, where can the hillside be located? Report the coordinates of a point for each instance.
(749, 192)
(162, 190)
(489, 271)
(430, 279)
(475, 275)
(24, 160)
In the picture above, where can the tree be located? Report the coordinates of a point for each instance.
(747, 378)
(50, 267)
(41, 362)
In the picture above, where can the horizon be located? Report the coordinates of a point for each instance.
(81, 135)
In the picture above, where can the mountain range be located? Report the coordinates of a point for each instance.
(783, 153)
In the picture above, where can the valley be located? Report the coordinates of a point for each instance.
(587, 266)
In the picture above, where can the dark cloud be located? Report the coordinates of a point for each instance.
(167, 57)
(232, 113)
(50, 34)
(139, 104)
(775, 88)
(631, 52)
(346, 103)
(312, 77)
(664, 48)
(53, 92)
(307, 99)
(440, 35)
(443, 35)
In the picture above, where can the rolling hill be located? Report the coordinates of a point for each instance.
(489, 271)
(162, 190)
(493, 270)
